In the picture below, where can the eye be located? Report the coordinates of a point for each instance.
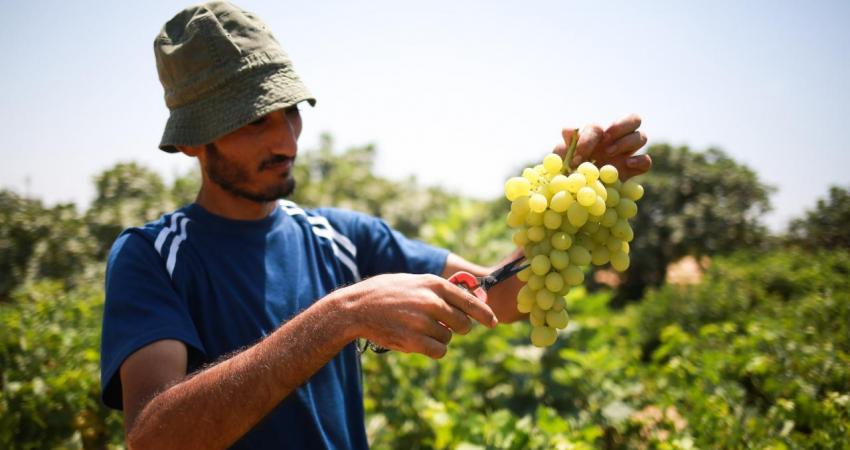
(259, 121)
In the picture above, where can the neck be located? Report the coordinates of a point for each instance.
(216, 200)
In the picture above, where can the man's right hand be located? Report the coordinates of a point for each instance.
(414, 313)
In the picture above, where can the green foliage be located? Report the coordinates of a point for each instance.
(128, 194)
(696, 203)
(827, 225)
(49, 374)
(38, 242)
(756, 356)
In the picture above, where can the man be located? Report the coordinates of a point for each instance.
(232, 321)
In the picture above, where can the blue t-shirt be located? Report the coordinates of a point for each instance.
(219, 285)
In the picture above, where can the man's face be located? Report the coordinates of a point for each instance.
(255, 161)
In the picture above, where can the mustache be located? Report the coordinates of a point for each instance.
(275, 160)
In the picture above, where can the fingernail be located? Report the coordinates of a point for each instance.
(631, 162)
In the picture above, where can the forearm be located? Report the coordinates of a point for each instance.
(215, 407)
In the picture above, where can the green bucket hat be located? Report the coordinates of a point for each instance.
(221, 68)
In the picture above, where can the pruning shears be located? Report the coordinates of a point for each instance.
(475, 285)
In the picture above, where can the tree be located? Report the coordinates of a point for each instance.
(696, 203)
(128, 194)
(39, 242)
(827, 225)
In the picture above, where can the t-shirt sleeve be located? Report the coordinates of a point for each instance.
(141, 307)
(381, 249)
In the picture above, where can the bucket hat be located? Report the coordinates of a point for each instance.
(221, 68)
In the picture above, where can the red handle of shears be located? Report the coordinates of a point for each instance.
(469, 283)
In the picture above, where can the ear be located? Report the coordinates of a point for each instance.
(190, 150)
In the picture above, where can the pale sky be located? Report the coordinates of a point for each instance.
(456, 92)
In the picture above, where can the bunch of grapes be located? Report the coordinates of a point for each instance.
(564, 222)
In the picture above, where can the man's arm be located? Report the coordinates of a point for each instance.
(212, 409)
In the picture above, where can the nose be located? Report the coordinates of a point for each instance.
(284, 131)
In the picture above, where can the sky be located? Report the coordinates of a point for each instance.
(457, 93)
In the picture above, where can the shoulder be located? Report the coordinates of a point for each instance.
(148, 240)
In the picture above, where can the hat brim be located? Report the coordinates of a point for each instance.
(236, 104)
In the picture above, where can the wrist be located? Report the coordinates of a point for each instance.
(344, 309)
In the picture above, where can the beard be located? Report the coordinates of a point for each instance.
(233, 177)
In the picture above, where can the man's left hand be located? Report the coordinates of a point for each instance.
(616, 145)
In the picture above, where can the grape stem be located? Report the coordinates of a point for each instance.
(570, 151)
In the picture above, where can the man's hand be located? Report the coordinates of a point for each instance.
(415, 313)
(616, 146)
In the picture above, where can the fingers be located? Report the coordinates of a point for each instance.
(625, 145)
(452, 317)
(466, 302)
(622, 127)
(630, 166)
(429, 347)
(588, 139)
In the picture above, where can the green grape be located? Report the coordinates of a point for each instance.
(632, 190)
(599, 255)
(608, 174)
(545, 299)
(557, 319)
(543, 336)
(620, 261)
(545, 247)
(609, 218)
(534, 219)
(582, 239)
(625, 247)
(586, 196)
(553, 283)
(561, 240)
(515, 220)
(561, 201)
(621, 229)
(552, 220)
(613, 197)
(530, 175)
(577, 215)
(627, 208)
(568, 227)
(535, 282)
(575, 182)
(558, 183)
(578, 255)
(520, 238)
(537, 202)
(520, 206)
(553, 163)
(597, 208)
(516, 187)
(540, 169)
(560, 303)
(590, 172)
(540, 265)
(524, 274)
(601, 235)
(573, 276)
(537, 316)
(614, 244)
(536, 234)
(600, 189)
(559, 259)
(525, 299)
(590, 228)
